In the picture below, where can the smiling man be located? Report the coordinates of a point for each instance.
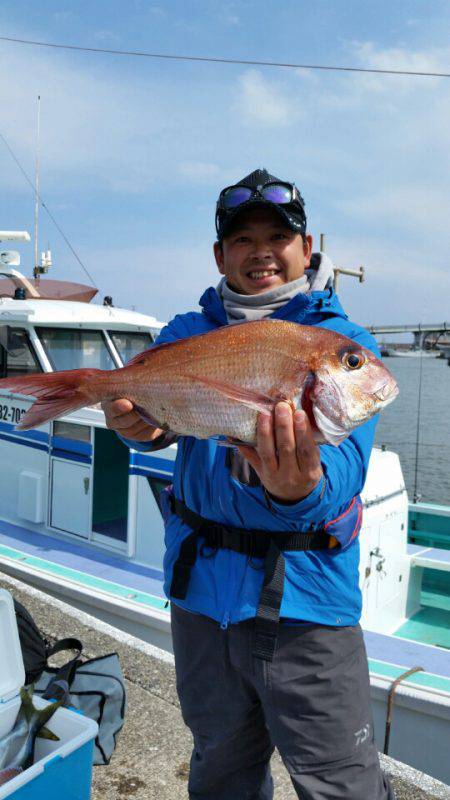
(261, 253)
(268, 649)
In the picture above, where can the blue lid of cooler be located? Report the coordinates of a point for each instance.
(12, 671)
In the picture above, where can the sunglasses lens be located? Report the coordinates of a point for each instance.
(235, 196)
(277, 193)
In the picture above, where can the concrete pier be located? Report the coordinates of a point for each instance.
(153, 751)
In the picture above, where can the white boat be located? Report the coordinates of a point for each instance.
(80, 518)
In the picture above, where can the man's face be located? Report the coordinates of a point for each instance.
(261, 252)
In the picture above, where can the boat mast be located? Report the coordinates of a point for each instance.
(36, 192)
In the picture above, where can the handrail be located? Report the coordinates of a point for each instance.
(20, 281)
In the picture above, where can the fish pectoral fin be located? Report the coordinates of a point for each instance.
(256, 400)
(147, 417)
(46, 733)
(229, 441)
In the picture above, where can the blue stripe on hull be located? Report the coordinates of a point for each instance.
(23, 441)
(68, 456)
(151, 462)
(163, 476)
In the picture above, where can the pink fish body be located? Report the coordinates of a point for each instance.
(8, 774)
(216, 384)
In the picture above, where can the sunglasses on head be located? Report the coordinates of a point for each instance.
(274, 192)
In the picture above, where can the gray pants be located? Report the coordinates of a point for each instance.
(312, 703)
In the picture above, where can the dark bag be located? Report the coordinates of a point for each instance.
(36, 650)
(96, 687)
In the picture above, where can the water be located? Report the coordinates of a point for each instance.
(398, 425)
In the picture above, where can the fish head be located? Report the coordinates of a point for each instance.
(350, 386)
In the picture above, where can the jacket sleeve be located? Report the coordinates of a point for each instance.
(175, 329)
(344, 470)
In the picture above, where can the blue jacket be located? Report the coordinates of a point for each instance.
(320, 586)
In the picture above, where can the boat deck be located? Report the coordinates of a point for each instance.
(388, 656)
(431, 624)
(80, 563)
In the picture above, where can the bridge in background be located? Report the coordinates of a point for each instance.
(421, 331)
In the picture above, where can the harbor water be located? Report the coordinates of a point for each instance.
(397, 427)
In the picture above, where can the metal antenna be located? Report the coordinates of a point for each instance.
(36, 191)
(355, 273)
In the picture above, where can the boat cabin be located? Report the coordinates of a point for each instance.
(73, 477)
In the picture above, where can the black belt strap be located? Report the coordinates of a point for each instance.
(268, 616)
(254, 543)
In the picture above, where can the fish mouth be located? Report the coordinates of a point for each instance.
(332, 432)
(386, 393)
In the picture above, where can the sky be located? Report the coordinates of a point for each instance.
(134, 151)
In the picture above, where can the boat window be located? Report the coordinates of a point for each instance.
(130, 343)
(16, 354)
(71, 348)
(71, 430)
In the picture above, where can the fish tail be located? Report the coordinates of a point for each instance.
(58, 393)
(37, 719)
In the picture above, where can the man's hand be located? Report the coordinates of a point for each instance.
(121, 417)
(286, 457)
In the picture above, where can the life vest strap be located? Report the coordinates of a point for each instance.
(253, 543)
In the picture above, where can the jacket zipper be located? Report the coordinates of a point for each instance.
(230, 600)
(225, 620)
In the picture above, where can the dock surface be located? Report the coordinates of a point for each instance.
(153, 750)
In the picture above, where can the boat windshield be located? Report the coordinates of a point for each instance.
(16, 354)
(71, 348)
(130, 343)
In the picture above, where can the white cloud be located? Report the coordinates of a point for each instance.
(402, 58)
(399, 58)
(405, 207)
(261, 101)
(184, 269)
(402, 284)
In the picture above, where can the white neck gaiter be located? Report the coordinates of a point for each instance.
(248, 307)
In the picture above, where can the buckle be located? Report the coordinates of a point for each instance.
(264, 644)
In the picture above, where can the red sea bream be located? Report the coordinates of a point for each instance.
(215, 384)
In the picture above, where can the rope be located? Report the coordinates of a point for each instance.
(219, 60)
(391, 703)
(44, 205)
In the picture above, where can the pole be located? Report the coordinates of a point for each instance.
(36, 196)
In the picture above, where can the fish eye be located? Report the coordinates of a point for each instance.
(353, 360)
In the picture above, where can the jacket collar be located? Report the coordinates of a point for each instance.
(308, 309)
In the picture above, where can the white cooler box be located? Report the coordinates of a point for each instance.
(62, 769)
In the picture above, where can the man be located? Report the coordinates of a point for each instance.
(268, 650)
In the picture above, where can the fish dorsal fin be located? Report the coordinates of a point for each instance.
(249, 397)
(143, 357)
